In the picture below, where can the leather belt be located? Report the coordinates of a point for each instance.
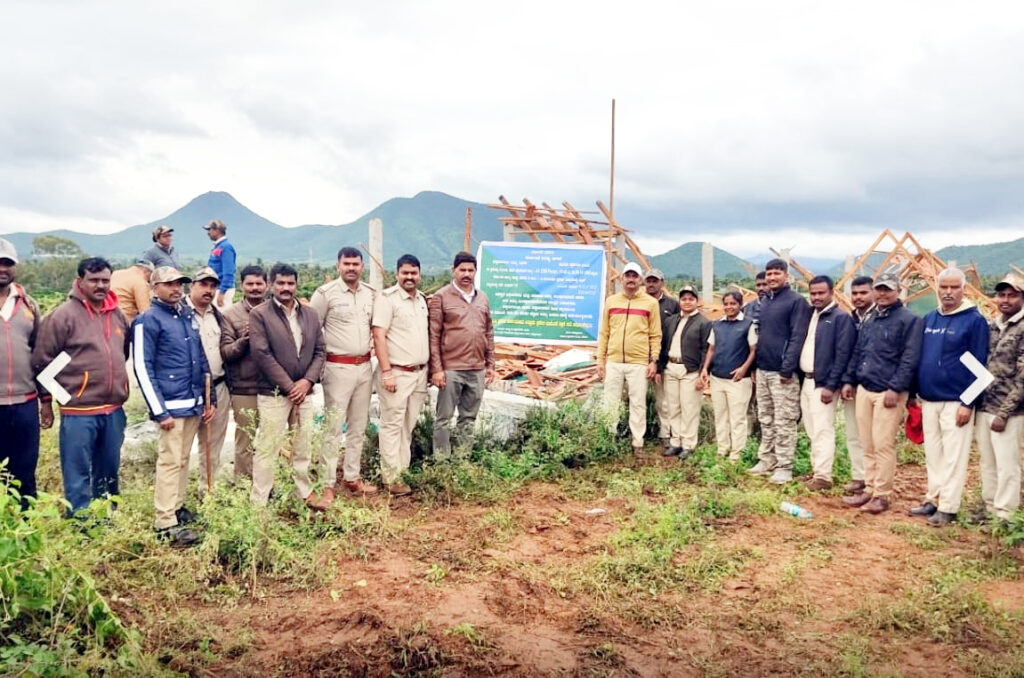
(408, 368)
(220, 380)
(808, 375)
(675, 362)
(348, 359)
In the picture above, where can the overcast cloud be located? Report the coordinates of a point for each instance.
(747, 123)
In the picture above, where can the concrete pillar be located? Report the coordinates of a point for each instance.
(847, 267)
(376, 246)
(707, 272)
(508, 233)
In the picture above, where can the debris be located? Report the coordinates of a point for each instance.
(595, 512)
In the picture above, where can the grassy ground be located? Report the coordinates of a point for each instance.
(557, 552)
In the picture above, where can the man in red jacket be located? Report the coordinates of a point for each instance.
(91, 329)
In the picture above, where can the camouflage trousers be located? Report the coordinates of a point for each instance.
(778, 410)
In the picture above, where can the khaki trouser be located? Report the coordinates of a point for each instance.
(853, 446)
(662, 406)
(229, 300)
(347, 390)
(820, 423)
(218, 428)
(683, 399)
(399, 412)
(247, 420)
(878, 425)
(634, 378)
(946, 450)
(730, 400)
(277, 415)
(171, 483)
(1000, 464)
(778, 408)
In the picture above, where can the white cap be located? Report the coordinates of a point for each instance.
(7, 251)
(634, 267)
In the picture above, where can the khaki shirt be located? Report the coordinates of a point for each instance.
(209, 334)
(405, 319)
(345, 317)
(132, 290)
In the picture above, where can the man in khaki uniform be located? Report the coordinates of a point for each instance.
(211, 435)
(131, 285)
(401, 340)
(345, 307)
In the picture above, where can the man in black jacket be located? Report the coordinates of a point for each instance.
(654, 282)
(862, 298)
(823, 360)
(782, 328)
(882, 367)
(684, 341)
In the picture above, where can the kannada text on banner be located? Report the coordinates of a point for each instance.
(543, 293)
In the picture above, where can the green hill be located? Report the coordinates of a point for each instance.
(994, 259)
(684, 261)
(430, 225)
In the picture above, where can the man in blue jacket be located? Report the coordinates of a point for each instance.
(171, 368)
(882, 368)
(823, 359)
(782, 327)
(955, 328)
(222, 261)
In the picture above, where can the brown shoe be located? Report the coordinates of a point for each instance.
(854, 487)
(327, 498)
(359, 486)
(399, 489)
(818, 485)
(857, 500)
(638, 450)
(314, 502)
(876, 505)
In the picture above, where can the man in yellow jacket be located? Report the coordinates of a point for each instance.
(627, 350)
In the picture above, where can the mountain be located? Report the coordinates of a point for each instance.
(684, 262)
(817, 265)
(994, 259)
(430, 225)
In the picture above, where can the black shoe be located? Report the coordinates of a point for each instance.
(941, 519)
(672, 451)
(178, 537)
(684, 453)
(184, 516)
(923, 511)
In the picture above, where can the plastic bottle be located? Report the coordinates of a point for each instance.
(794, 510)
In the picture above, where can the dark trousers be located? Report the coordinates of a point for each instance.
(464, 390)
(19, 438)
(90, 455)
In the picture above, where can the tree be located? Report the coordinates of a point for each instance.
(56, 247)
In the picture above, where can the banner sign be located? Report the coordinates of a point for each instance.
(543, 293)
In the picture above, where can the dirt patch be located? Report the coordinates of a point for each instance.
(465, 592)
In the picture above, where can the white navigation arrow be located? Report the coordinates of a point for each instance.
(48, 378)
(982, 381)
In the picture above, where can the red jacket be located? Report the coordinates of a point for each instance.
(96, 377)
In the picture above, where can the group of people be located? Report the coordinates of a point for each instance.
(198, 358)
(803, 360)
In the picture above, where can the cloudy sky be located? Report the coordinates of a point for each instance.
(751, 124)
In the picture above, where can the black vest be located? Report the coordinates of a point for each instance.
(731, 347)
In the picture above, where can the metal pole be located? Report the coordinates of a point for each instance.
(611, 182)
